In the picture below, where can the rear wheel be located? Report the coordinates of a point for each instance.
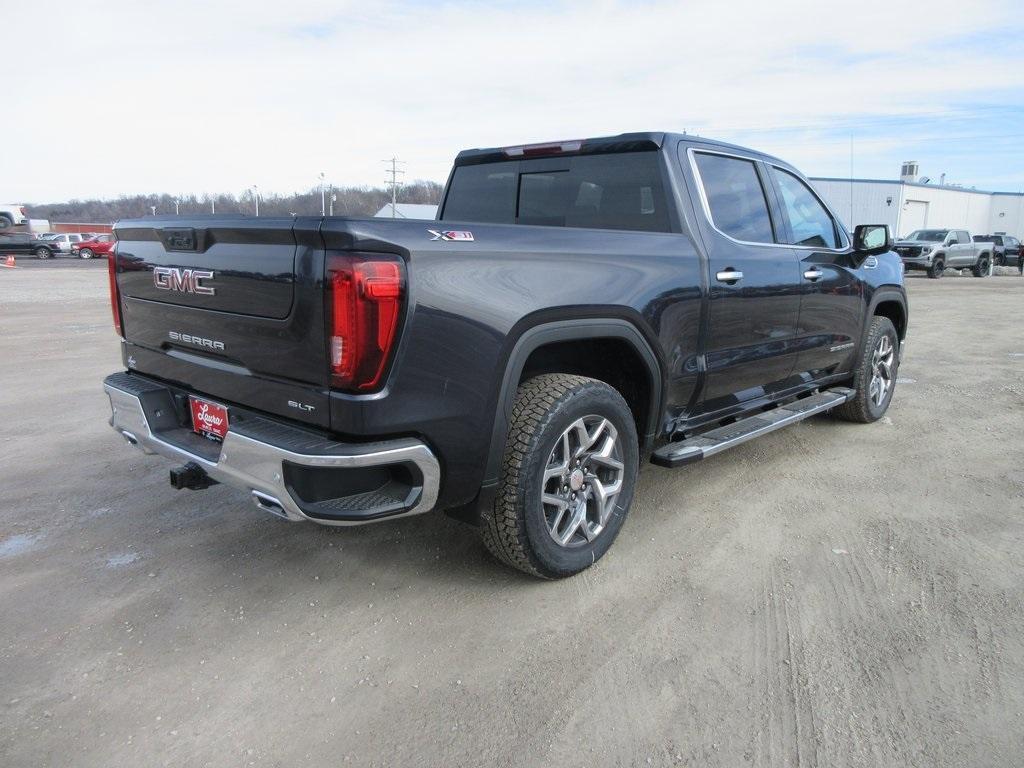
(981, 269)
(5, 222)
(42, 253)
(936, 269)
(567, 478)
(86, 253)
(875, 378)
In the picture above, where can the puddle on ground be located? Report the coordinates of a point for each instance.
(19, 544)
(126, 558)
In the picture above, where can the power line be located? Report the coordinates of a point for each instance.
(393, 183)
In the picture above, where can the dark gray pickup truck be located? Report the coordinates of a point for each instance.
(576, 308)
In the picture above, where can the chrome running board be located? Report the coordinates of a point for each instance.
(720, 439)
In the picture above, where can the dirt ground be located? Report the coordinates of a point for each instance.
(831, 595)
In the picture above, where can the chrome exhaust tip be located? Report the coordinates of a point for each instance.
(268, 503)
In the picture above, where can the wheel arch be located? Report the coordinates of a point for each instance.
(890, 303)
(528, 349)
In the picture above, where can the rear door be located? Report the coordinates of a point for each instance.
(231, 307)
(831, 302)
(754, 280)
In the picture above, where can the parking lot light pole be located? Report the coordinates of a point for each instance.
(323, 197)
(256, 195)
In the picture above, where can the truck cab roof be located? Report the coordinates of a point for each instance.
(623, 142)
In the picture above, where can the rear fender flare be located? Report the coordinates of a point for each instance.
(565, 330)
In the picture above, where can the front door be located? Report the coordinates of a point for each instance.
(831, 304)
(754, 282)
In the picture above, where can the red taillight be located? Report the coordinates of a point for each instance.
(115, 295)
(364, 302)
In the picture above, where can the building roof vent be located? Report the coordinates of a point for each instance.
(909, 171)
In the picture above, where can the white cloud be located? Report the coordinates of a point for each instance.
(193, 97)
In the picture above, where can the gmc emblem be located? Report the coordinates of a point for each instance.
(183, 280)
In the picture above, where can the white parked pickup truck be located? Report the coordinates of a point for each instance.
(933, 250)
(12, 215)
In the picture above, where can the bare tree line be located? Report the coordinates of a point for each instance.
(351, 201)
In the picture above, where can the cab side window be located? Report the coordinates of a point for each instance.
(735, 197)
(812, 225)
(962, 237)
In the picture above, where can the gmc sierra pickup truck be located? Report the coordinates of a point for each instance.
(935, 249)
(577, 307)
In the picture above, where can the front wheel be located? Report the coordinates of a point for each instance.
(567, 476)
(42, 253)
(5, 222)
(86, 253)
(936, 269)
(874, 379)
(982, 267)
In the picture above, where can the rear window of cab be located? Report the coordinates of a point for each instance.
(614, 191)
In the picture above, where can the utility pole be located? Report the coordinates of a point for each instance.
(851, 222)
(323, 199)
(393, 183)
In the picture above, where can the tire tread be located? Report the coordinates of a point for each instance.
(502, 530)
(857, 409)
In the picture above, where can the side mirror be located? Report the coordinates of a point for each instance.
(871, 239)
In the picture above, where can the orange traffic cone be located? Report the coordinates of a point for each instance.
(10, 261)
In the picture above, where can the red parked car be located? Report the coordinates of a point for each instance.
(99, 245)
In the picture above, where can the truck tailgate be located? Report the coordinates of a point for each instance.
(231, 307)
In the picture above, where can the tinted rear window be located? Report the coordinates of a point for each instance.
(616, 191)
(736, 198)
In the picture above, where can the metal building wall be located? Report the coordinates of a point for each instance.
(905, 206)
(1007, 214)
(862, 201)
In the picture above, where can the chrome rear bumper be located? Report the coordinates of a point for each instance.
(258, 466)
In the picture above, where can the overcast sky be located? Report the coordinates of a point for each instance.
(192, 97)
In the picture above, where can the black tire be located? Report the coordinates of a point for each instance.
(981, 268)
(516, 530)
(42, 253)
(936, 269)
(5, 223)
(862, 408)
(1000, 261)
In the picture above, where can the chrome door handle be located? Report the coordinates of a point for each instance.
(729, 276)
(813, 274)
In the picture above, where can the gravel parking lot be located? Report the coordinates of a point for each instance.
(832, 594)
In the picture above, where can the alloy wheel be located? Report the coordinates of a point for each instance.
(583, 477)
(882, 370)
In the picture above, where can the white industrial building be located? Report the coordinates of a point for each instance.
(912, 203)
(407, 211)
